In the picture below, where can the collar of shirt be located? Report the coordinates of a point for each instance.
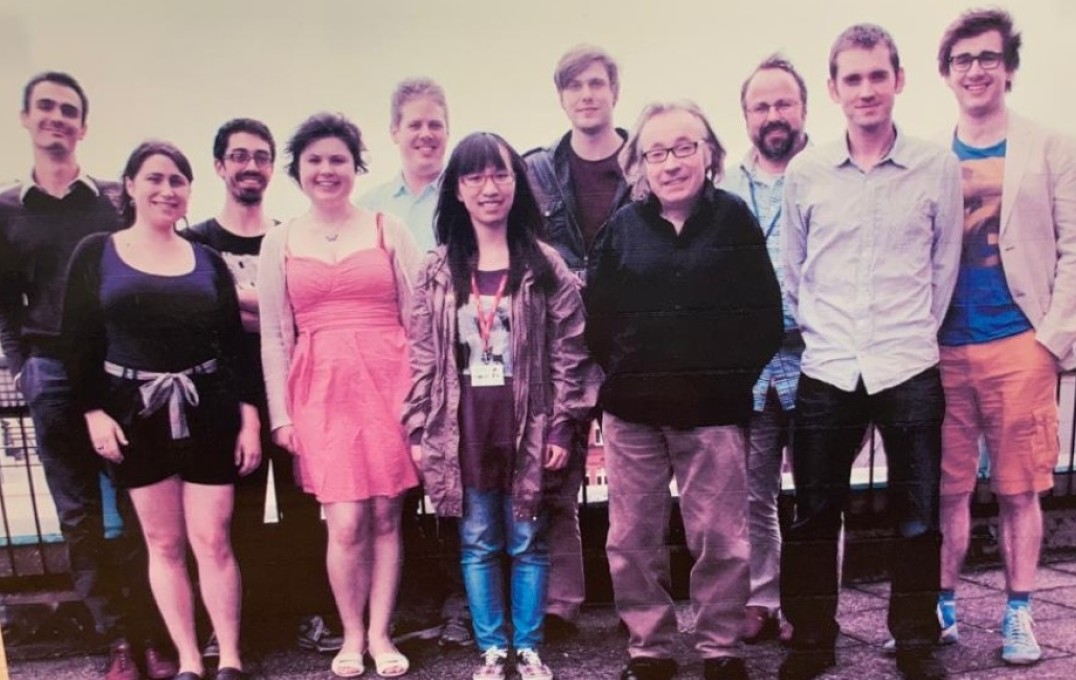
(749, 167)
(400, 187)
(840, 155)
(651, 209)
(29, 183)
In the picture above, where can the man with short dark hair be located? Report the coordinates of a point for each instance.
(243, 156)
(579, 185)
(871, 228)
(42, 219)
(774, 103)
(1011, 326)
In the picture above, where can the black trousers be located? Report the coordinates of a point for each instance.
(828, 432)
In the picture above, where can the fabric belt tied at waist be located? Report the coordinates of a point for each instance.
(175, 389)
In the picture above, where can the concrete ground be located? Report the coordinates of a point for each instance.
(597, 651)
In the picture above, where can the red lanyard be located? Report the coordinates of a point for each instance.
(485, 323)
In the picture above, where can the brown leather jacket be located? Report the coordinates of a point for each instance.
(554, 378)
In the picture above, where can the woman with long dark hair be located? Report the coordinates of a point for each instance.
(500, 375)
(155, 336)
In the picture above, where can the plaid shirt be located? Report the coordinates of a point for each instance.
(764, 200)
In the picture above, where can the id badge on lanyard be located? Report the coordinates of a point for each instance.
(489, 373)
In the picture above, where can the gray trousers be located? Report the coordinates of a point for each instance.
(709, 465)
(767, 436)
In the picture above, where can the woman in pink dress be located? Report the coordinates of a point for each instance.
(335, 288)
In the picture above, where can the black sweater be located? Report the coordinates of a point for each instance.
(682, 324)
(37, 237)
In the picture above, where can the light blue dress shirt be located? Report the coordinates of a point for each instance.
(763, 195)
(416, 211)
(871, 259)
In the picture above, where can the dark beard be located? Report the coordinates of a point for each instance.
(782, 151)
(249, 196)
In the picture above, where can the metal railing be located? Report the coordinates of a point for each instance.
(30, 537)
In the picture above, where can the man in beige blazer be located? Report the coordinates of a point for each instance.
(1011, 325)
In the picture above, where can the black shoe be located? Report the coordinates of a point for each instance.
(920, 664)
(724, 668)
(805, 664)
(648, 668)
(406, 628)
(558, 629)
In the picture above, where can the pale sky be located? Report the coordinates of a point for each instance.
(177, 70)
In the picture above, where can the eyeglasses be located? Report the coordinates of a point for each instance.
(781, 106)
(241, 157)
(476, 180)
(681, 150)
(987, 60)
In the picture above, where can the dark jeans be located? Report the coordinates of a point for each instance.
(283, 564)
(100, 568)
(827, 435)
(431, 585)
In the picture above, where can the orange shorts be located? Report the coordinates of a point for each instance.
(1006, 391)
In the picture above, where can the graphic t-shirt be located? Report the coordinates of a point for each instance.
(982, 308)
(487, 414)
(240, 253)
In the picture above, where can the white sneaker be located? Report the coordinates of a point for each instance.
(530, 666)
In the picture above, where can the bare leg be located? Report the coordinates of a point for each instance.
(385, 574)
(209, 515)
(348, 560)
(956, 532)
(1021, 539)
(160, 512)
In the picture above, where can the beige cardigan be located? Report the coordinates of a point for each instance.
(278, 320)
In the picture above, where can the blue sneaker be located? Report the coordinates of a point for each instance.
(946, 619)
(1018, 644)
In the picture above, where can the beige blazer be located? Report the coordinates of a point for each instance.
(1038, 232)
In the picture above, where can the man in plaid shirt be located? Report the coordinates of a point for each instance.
(774, 103)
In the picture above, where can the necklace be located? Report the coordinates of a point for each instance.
(331, 238)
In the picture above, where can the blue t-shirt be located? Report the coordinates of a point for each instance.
(982, 308)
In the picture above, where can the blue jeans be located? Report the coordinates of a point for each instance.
(487, 532)
(100, 569)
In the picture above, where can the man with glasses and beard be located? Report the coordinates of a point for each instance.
(774, 103)
(243, 155)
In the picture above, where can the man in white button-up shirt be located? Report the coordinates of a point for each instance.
(872, 233)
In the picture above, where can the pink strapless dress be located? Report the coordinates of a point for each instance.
(349, 376)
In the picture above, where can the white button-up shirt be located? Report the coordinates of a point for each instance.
(871, 259)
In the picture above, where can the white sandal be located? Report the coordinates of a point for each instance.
(348, 665)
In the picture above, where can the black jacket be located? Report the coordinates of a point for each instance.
(551, 182)
(682, 324)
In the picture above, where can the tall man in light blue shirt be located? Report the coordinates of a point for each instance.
(872, 237)
(420, 130)
(774, 103)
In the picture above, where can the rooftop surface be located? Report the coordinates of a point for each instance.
(597, 652)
